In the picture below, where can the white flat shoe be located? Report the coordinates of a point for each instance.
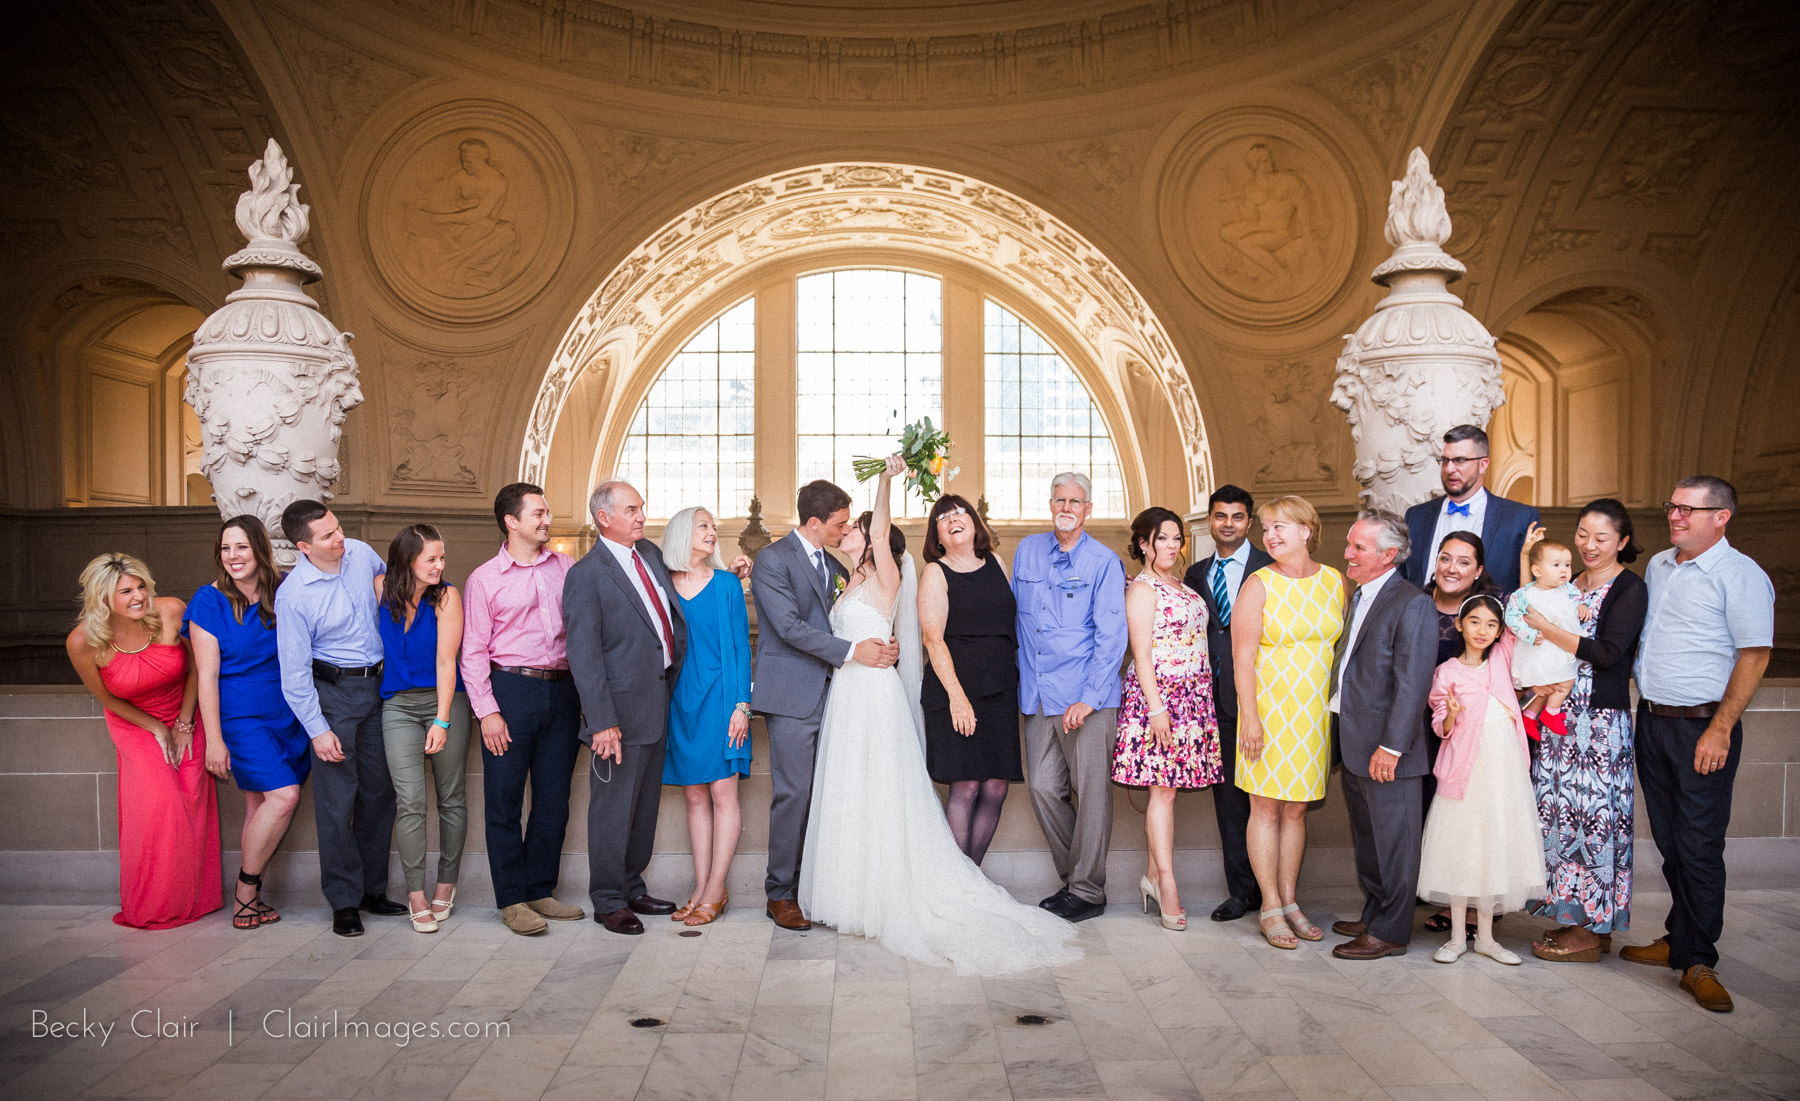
(1498, 954)
(1450, 951)
(424, 922)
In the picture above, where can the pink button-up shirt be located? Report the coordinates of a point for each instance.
(512, 615)
(1477, 687)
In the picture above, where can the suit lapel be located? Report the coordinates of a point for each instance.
(610, 566)
(1207, 566)
(803, 553)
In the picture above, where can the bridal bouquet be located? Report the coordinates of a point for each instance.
(925, 450)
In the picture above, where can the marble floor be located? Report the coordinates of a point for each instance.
(748, 1011)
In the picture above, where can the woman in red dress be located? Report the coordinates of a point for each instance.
(129, 652)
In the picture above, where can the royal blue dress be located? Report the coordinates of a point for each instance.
(715, 677)
(269, 748)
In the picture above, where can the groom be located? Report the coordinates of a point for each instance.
(794, 583)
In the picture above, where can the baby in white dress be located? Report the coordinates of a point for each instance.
(1540, 666)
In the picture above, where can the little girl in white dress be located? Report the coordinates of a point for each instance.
(1547, 671)
(1482, 847)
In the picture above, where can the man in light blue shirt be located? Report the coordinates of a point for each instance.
(1071, 626)
(331, 676)
(1706, 642)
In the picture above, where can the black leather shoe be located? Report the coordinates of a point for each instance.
(346, 922)
(645, 904)
(1233, 908)
(1076, 908)
(621, 921)
(1055, 901)
(381, 906)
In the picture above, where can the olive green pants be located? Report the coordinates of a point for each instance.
(405, 720)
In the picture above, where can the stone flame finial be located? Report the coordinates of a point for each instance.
(273, 220)
(1417, 224)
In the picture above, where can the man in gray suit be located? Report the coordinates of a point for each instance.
(794, 583)
(1380, 680)
(626, 638)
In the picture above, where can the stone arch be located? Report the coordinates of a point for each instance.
(114, 353)
(829, 214)
(1579, 370)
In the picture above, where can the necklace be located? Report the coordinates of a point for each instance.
(139, 650)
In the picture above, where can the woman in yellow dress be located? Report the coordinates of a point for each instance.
(1283, 630)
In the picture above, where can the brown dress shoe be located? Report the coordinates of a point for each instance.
(648, 904)
(785, 912)
(1656, 953)
(1349, 928)
(621, 921)
(1366, 947)
(1703, 983)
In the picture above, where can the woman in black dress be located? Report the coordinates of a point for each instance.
(970, 692)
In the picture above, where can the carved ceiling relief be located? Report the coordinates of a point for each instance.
(343, 86)
(1258, 218)
(1382, 95)
(1655, 156)
(632, 164)
(1295, 426)
(1106, 165)
(471, 211)
(437, 431)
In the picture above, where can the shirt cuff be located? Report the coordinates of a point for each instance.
(1385, 749)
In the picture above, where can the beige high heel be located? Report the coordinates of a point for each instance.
(1176, 921)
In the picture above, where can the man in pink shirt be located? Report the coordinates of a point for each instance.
(516, 669)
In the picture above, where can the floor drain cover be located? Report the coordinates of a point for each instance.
(688, 933)
(646, 1022)
(1032, 1019)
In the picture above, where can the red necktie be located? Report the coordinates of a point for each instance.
(656, 602)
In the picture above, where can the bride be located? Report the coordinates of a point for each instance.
(880, 860)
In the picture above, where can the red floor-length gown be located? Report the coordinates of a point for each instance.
(168, 817)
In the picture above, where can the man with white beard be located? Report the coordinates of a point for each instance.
(1071, 628)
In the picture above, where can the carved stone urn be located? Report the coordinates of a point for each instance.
(268, 375)
(1421, 364)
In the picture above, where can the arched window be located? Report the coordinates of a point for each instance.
(693, 439)
(817, 367)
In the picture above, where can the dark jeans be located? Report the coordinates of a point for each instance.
(1231, 806)
(543, 717)
(1688, 814)
(353, 799)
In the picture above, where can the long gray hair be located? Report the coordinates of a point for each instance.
(678, 540)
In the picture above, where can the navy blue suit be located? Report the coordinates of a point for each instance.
(1502, 534)
(1231, 804)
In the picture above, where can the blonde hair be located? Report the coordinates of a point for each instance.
(1539, 550)
(98, 583)
(1292, 510)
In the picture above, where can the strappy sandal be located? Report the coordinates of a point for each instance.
(682, 911)
(1272, 936)
(249, 915)
(1308, 931)
(246, 917)
(707, 912)
(1548, 948)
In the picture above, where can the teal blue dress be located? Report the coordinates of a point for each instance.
(715, 678)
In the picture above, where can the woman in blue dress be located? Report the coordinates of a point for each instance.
(231, 626)
(709, 711)
(425, 716)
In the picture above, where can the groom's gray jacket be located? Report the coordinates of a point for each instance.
(795, 649)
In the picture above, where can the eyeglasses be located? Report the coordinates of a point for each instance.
(1445, 460)
(1685, 511)
(1067, 502)
(957, 510)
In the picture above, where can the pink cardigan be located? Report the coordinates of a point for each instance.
(1475, 687)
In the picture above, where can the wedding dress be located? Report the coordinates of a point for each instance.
(880, 861)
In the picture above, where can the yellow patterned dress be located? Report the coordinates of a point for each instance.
(1301, 623)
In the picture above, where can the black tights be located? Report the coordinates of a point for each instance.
(974, 814)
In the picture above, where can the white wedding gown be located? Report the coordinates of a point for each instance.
(879, 858)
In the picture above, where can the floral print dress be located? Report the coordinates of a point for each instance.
(1184, 681)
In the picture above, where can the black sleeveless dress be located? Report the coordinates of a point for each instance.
(980, 635)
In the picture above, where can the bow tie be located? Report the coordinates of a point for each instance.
(1454, 509)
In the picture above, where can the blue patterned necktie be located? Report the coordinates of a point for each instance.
(1451, 508)
(1221, 597)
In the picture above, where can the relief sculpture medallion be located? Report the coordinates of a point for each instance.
(468, 213)
(1258, 219)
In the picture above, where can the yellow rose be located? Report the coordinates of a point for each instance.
(937, 466)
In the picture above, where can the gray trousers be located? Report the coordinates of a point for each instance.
(353, 799)
(1384, 826)
(1070, 776)
(623, 799)
(406, 719)
(793, 747)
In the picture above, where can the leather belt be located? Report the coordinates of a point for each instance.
(1698, 711)
(331, 674)
(530, 671)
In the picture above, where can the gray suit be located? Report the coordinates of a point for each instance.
(795, 656)
(1385, 682)
(615, 657)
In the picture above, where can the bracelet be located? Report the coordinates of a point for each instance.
(182, 726)
(1154, 714)
(441, 724)
(743, 708)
